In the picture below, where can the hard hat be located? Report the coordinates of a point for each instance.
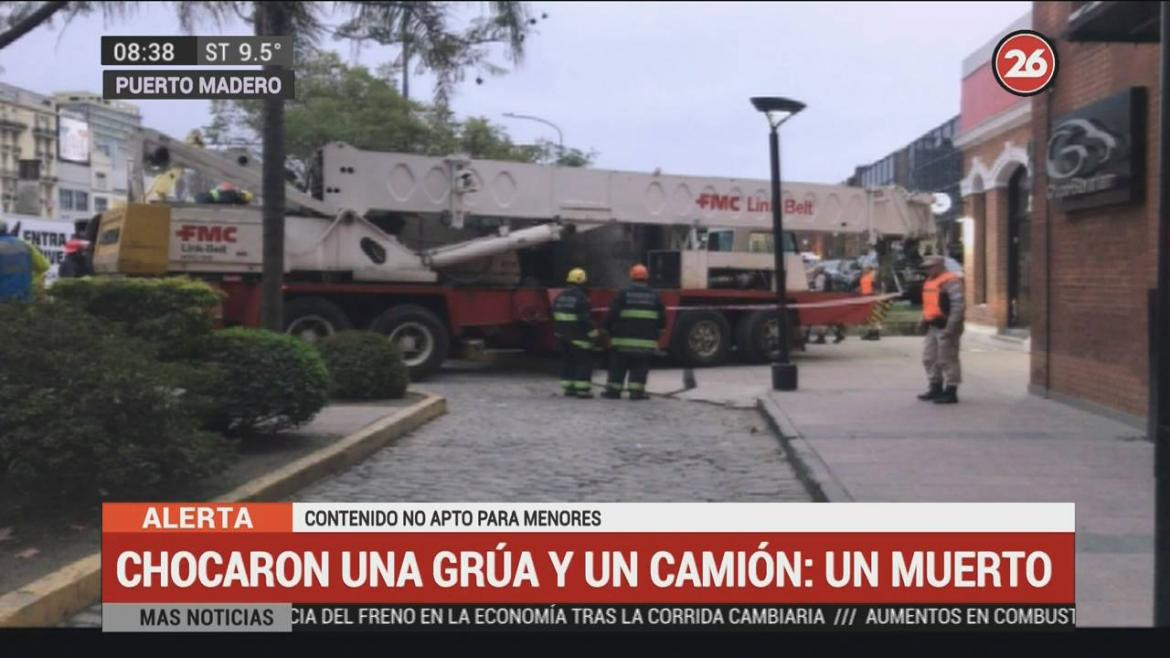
(576, 275)
(246, 196)
(639, 273)
(931, 261)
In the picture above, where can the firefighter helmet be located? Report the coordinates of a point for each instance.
(639, 273)
(576, 275)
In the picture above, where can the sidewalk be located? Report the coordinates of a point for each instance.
(862, 435)
(856, 413)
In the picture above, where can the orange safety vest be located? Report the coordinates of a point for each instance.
(931, 310)
(867, 283)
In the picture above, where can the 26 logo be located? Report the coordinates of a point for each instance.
(1024, 63)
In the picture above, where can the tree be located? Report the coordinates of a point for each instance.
(268, 19)
(425, 31)
(336, 102)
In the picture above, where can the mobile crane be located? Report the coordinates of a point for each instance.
(441, 253)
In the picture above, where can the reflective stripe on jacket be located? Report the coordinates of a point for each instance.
(571, 321)
(635, 320)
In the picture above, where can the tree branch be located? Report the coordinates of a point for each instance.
(30, 22)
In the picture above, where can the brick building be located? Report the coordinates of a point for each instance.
(995, 135)
(1094, 214)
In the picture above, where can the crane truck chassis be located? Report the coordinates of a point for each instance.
(439, 254)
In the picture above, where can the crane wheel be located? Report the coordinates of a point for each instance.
(700, 338)
(314, 318)
(421, 336)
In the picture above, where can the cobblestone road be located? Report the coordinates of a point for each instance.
(511, 437)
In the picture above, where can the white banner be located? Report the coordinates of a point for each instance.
(47, 235)
(684, 517)
(73, 139)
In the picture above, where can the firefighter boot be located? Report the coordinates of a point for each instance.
(949, 396)
(612, 392)
(936, 389)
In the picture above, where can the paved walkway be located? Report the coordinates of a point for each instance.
(509, 435)
(857, 415)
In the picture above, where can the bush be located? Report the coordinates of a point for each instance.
(174, 313)
(364, 365)
(262, 382)
(86, 412)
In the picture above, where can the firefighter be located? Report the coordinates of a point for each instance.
(22, 268)
(636, 319)
(574, 328)
(942, 320)
(868, 285)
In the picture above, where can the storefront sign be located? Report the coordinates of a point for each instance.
(1096, 155)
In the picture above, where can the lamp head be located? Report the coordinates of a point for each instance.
(777, 109)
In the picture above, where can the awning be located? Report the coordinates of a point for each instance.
(1126, 22)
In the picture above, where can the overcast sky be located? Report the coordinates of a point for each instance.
(651, 85)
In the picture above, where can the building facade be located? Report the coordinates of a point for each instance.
(112, 124)
(28, 152)
(995, 137)
(931, 164)
(1094, 220)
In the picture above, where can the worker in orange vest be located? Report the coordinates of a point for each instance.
(868, 285)
(942, 320)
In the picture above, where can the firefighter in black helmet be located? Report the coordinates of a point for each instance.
(573, 325)
(635, 321)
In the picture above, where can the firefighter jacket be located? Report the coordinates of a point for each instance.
(635, 320)
(571, 320)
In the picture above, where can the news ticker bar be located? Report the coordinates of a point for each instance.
(197, 51)
(283, 618)
(197, 85)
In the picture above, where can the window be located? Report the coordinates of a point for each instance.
(65, 199)
(100, 204)
(81, 201)
(30, 169)
(99, 180)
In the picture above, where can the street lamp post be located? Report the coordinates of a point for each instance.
(778, 110)
(560, 135)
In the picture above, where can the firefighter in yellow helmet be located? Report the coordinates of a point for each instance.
(573, 326)
(635, 322)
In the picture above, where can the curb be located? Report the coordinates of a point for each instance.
(50, 600)
(811, 469)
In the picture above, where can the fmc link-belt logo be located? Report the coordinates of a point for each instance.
(207, 233)
(1024, 63)
(727, 202)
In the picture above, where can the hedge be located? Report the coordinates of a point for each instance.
(262, 382)
(364, 365)
(175, 313)
(87, 413)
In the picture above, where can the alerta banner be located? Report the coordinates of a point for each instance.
(714, 566)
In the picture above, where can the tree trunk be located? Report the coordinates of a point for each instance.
(30, 22)
(272, 19)
(406, 54)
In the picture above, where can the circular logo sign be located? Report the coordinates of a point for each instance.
(1024, 63)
